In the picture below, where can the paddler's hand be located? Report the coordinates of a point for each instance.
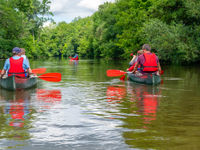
(134, 71)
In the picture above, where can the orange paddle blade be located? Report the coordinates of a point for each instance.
(123, 78)
(161, 72)
(52, 77)
(115, 73)
(39, 70)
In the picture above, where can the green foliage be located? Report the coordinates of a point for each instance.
(174, 31)
(171, 42)
(131, 16)
(20, 22)
(117, 29)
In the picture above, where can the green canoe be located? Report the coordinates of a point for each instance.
(148, 78)
(15, 82)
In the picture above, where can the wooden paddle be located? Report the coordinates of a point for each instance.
(52, 77)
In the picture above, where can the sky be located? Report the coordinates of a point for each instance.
(67, 10)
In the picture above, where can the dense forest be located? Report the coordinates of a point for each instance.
(171, 27)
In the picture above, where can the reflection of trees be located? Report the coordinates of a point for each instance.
(16, 114)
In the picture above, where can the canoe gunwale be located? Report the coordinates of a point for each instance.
(147, 78)
(15, 82)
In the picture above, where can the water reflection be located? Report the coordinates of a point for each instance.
(17, 113)
(145, 103)
(48, 97)
(144, 98)
(147, 100)
(93, 111)
(138, 105)
(18, 107)
(115, 93)
(74, 63)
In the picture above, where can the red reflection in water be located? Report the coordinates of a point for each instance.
(17, 112)
(147, 100)
(50, 97)
(75, 62)
(144, 98)
(150, 103)
(18, 108)
(115, 93)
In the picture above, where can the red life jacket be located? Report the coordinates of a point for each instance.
(76, 58)
(150, 64)
(16, 67)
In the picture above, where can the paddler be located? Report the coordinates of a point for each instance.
(16, 65)
(76, 57)
(134, 60)
(149, 62)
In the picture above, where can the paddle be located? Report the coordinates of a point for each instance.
(161, 72)
(123, 77)
(39, 70)
(116, 73)
(52, 77)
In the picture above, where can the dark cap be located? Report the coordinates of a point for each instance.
(16, 50)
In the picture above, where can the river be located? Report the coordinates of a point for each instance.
(89, 111)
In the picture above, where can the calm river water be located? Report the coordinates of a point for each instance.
(89, 111)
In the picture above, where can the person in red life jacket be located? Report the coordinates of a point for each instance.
(16, 65)
(149, 61)
(134, 60)
(75, 57)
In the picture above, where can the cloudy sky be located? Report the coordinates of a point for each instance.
(67, 10)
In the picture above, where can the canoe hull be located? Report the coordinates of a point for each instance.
(151, 79)
(14, 82)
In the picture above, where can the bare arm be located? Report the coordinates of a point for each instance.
(2, 73)
(159, 68)
(135, 68)
(133, 58)
(29, 71)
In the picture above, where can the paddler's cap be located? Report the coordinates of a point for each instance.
(16, 50)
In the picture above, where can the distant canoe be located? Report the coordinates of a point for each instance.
(148, 78)
(15, 82)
